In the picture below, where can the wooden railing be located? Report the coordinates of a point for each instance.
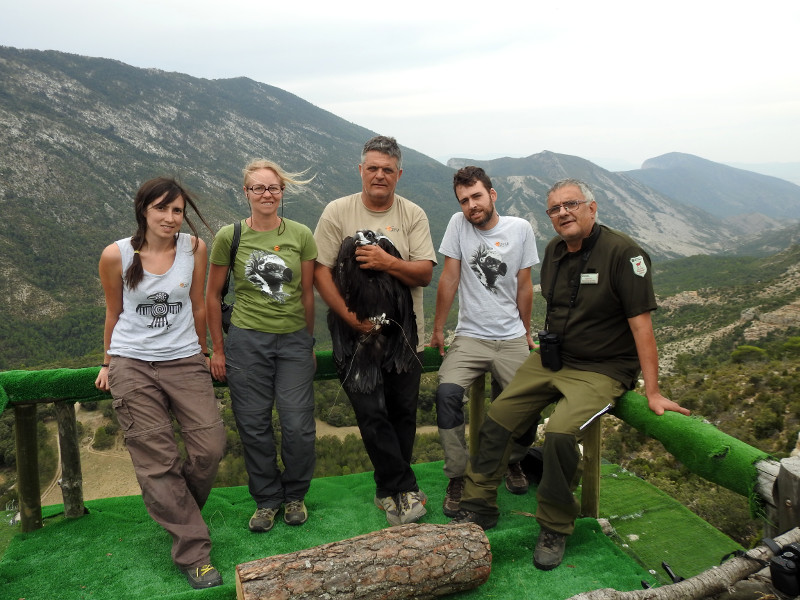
(771, 487)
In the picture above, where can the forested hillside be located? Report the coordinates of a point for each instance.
(729, 336)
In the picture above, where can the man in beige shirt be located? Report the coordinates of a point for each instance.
(387, 416)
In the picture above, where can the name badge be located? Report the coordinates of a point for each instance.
(589, 278)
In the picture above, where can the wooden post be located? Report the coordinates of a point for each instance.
(30, 501)
(766, 488)
(787, 494)
(71, 476)
(477, 398)
(590, 486)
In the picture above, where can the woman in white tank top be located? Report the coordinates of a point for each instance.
(156, 367)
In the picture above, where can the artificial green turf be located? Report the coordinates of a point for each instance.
(117, 552)
(655, 528)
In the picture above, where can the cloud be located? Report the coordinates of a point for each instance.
(627, 79)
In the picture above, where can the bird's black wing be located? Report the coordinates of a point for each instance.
(354, 354)
(401, 334)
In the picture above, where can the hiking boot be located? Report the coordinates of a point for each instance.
(411, 506)
(549, 549)
(388, 504)
(295, 512)
(263, 519)
(467, 516)
(452, 497)
(202, 577)
(516, 481)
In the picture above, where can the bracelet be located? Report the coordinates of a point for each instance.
(207, 354)
(104, 365)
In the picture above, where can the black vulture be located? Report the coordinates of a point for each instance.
(379, 297)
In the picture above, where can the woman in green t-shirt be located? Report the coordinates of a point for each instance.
(268, 357)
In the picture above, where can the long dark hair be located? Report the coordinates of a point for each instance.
(148, 193)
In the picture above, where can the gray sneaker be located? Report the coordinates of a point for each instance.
(202, 577)
(388, 504)
(411, 506)
(549, 549)
(263, 519)
(452, 497)
(295, 512)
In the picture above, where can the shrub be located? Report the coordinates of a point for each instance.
(745, 353)
(102, 440)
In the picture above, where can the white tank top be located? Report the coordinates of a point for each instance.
(157, 321)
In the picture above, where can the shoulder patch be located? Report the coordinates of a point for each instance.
(639, 266)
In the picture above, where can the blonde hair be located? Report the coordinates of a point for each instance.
(288, 179)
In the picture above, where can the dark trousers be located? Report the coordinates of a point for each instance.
(387, 419)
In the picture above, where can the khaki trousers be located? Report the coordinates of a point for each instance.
(467, 359)
(174, 490)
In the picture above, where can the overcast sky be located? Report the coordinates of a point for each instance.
(615, 82)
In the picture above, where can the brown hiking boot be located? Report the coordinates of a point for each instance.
(549, 549)
(452, 497)
(516, 482)
(467, 516)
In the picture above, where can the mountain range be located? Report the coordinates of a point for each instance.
(79, 134)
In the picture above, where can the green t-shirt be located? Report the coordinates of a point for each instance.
(267, 275)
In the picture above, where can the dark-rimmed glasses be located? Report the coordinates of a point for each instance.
(259, 189)
(568, 206)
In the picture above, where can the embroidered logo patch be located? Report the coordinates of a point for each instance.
(639, 266)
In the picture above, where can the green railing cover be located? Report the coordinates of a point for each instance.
(77, 385)
(700, 446)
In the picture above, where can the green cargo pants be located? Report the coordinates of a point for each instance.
(579, 397)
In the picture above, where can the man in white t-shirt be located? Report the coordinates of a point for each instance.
(488, 260)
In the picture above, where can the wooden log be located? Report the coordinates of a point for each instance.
(418, 560)
(71, 481)
(708, 583)
(30, 501)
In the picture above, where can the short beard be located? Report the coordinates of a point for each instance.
(489, 216)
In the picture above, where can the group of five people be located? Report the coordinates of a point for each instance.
(598, 291)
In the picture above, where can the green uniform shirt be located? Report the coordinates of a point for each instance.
(594, 293)
(267, 275)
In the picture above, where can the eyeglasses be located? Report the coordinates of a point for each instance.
(568, 206)
(259, 189)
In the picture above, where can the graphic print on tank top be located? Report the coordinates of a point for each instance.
(268, 272)
(488, 265)
(159, 309)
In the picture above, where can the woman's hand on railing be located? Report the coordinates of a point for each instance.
(101, 383)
